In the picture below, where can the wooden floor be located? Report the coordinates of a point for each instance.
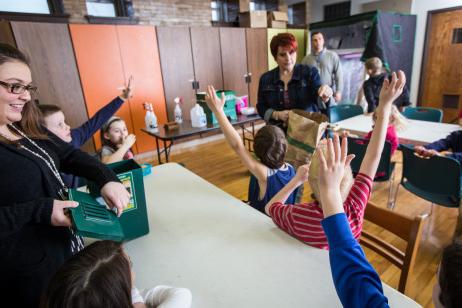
(215, 162)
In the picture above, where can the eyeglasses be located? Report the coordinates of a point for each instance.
(17, 88)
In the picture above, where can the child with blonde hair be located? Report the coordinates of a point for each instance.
(303, 220)
(396, 124)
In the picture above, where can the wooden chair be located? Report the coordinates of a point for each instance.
(404, 227)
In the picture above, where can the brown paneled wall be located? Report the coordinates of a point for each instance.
(6, 33)
(53, 67)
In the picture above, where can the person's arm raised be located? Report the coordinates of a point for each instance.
(282, 195)
(232, 137)
(390, 91)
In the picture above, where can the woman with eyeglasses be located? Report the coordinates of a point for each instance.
(35, 234)
(101, 275)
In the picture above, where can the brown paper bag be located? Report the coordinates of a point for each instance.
(304, 131)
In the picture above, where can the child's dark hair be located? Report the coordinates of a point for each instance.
(270, 146)
(47, 110)
(98, 276)
(450, 278)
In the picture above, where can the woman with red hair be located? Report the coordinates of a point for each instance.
(289, 86)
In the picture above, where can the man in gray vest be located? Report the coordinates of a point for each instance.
(328, 64)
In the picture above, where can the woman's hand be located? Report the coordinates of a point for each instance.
(116, 196)
(59, 215)
(282, 115)
(127, 92)
(325, 92)
(212, 100)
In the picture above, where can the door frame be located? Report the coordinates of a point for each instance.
(425, 48)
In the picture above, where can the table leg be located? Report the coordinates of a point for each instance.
(158, 151)
(167, 150)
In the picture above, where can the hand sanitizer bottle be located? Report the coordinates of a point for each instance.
(150, 119)
(178, 113)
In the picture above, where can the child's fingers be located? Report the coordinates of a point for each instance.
(322, 160)
(337, 152)
(348, 159)
(130, 79)
(330, 152)
(344, 148)
(393, 80)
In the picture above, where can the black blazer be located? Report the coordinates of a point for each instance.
(31, 249)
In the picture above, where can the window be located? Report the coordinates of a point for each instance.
(101, 8)
(269, 5)
(457, 36)
(297, 14)
(25, 6)
(110, 11)
(337, 10)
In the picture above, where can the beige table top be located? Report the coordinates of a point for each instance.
(225, 252)
(417, 132)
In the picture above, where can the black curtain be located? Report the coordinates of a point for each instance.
(392, 40)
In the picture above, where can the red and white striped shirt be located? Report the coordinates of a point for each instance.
(303, 221)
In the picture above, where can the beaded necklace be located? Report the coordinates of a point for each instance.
(47, 159)
(76, 241)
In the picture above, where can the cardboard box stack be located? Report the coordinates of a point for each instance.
(277, 19)
(251, 19)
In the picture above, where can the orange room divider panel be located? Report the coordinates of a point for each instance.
(140, 58)
(100, 67)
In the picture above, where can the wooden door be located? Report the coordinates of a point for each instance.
(101, 71)
(6, 33)
(177, 67)
(54, 70)
(207, 58)
(441, 78)
(257, 59)
(234, 60)
(140, 58)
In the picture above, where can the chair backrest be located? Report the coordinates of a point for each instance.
(409, 229)
(358, 146)
(436, 179)
(423, 114)
(344, 111)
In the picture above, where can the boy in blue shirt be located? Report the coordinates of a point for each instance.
(270, 146)
(54, 120)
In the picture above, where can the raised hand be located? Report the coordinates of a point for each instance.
(116, 196)
(212, 100)
(331, 170)
(391, 90)
(127, 92)
(59, 217)
(334, 163)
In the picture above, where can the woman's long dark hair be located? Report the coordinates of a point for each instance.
(30, 121)
(98, 276)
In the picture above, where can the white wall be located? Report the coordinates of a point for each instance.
(421, 8)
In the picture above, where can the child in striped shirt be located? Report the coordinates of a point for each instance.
(303, 220)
